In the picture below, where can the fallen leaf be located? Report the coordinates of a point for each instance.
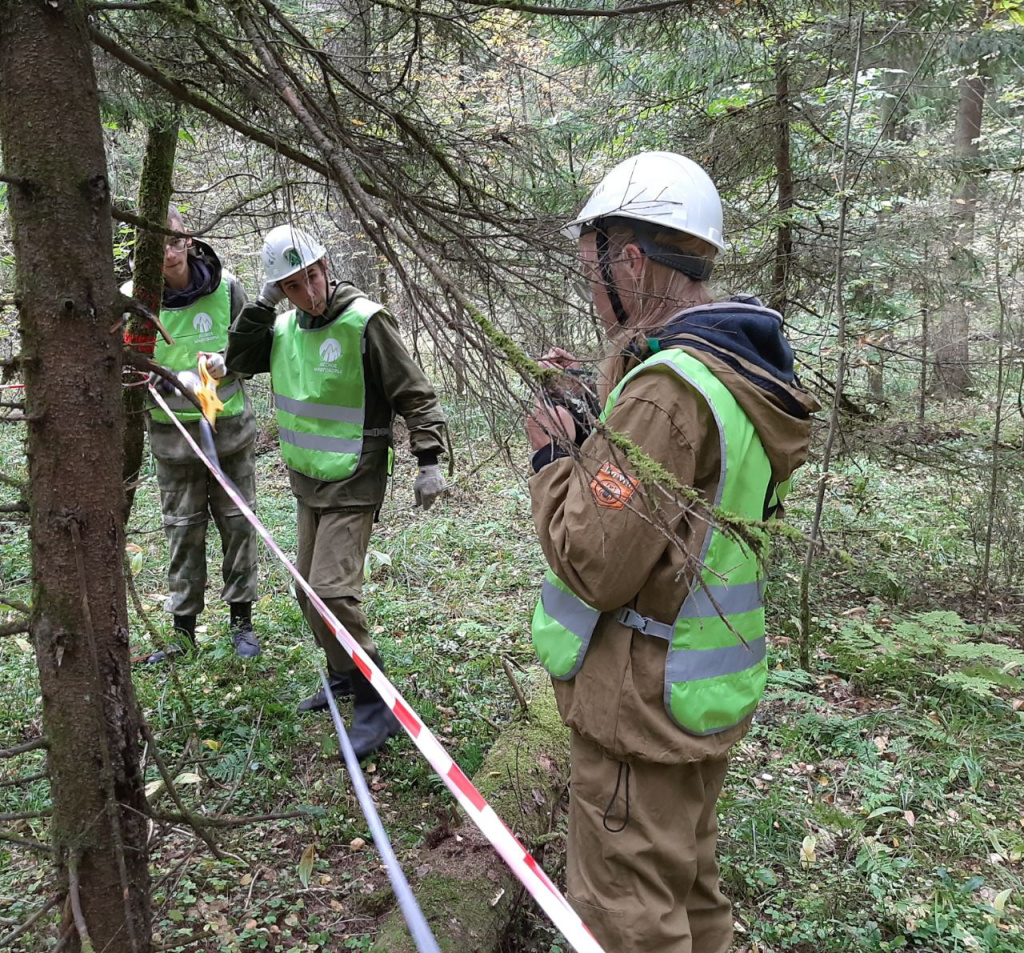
(807, 855)
(357, 843)
(306, 864)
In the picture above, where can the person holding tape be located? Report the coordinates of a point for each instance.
(651, 616)
(200, 299)
(340, 372)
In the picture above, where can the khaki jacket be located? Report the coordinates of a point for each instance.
(641, 554)
(395, 383)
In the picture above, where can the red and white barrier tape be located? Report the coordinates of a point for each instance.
(521, 862)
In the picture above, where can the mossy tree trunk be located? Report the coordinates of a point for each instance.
(147, 281)
(71, 357)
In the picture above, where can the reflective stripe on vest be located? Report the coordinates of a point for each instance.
(715, 669)
(202, 326)
(320, 393)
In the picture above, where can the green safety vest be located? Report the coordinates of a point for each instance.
(712, 679)
(320, 392)
(202, 326)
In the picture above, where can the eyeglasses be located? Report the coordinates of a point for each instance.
(178, 244)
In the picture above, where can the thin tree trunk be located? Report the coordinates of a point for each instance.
(841, 345)
(952, 357)
(147, 282)
(784, 185)
(71, 340)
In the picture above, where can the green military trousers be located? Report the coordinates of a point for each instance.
(642, 871)
(330, 555)
(189, 495)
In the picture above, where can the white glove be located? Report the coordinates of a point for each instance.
(215, 365)
(270, 295)
(429, 485)
(190, 382)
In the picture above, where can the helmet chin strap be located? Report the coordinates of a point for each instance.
(604, 261)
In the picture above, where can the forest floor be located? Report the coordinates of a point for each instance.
(876, 805)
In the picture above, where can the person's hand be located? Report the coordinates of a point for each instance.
(549, 423)
(215, 365)
(558, 357)
(270, 295)
(429, 485)
(190, 382)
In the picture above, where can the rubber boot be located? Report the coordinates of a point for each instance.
(372, 720)
(183, 639)
(246, 644)
(341, 686)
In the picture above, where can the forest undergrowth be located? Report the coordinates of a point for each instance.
(875, 805)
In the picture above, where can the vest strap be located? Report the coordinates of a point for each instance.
(632, 619)
(377, 432)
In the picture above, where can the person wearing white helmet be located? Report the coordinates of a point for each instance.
(651, 616)
(340, 373)
(200, 299)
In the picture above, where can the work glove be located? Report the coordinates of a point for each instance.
(270, 295)
(190, 382)
(429, 485)
(215, 365)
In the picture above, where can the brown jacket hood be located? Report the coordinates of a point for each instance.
(742, 342)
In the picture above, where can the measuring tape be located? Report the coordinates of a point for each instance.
(519, 860)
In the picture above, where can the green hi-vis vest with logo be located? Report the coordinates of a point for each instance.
(202, 326)
(715, 670)
(320, 393)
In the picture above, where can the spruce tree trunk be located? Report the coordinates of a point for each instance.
(952, 357)
(71, 348)
(147, 284)
(784, 255)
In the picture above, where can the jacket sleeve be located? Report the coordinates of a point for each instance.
(601, 529)
(405, 387)
(238, 297)
(250, 339)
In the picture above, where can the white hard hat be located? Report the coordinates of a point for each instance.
(662, 188)
(288, 249)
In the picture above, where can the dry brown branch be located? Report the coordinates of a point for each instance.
(26, 842)
(24, 815)
(15, 627)
(27, 746)
(516, 687)
(188, 818)
(76, 902)
(193, 820)
(8, 940)
(19, 782)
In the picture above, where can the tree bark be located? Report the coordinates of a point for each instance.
(952, 357)
(71, 359)
(147, 284)
(783, 263)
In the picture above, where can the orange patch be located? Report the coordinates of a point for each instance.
(612, 488)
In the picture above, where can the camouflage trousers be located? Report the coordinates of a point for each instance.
(331, 550)
(189, 495)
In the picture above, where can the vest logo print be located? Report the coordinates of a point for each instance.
(330, 351)
(202, 322)
(612, 488)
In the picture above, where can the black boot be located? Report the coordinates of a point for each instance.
(341, 686)
(246, 644)
(183, 639)
(372, 720)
